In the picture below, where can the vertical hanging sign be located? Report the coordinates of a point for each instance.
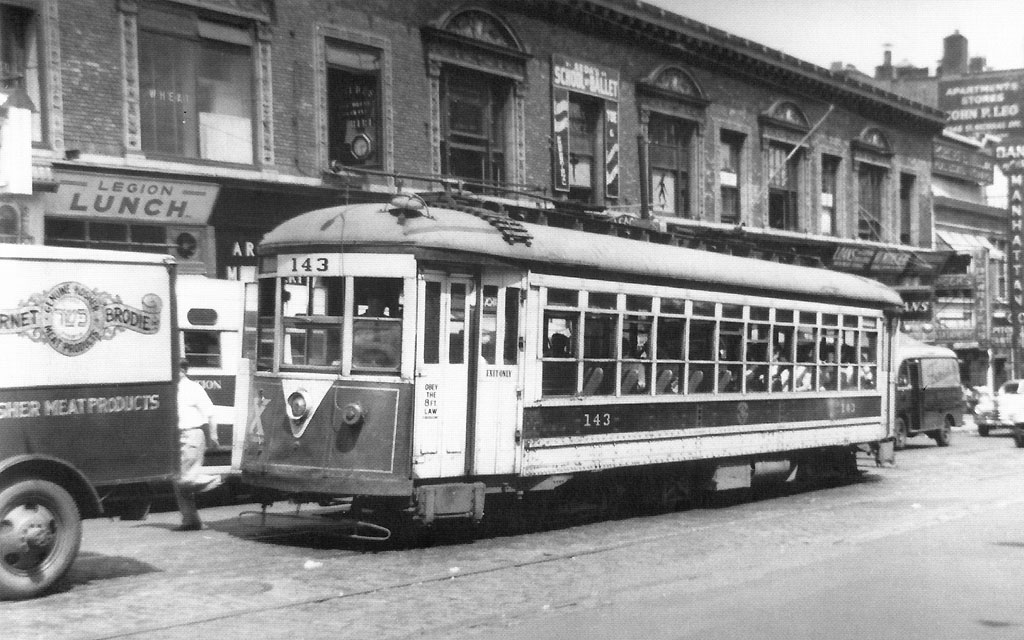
(561, 138)
(611, 149)
(1010, 156)
(575, 76)
(1015, 177)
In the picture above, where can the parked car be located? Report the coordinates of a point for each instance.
(1006, 410)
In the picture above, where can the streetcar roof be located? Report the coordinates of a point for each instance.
(380, 225)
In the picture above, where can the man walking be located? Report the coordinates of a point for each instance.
(195, 423)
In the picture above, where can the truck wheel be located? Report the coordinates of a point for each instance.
(982, 430)
(1018, 436)
(900, 435)
(944, 435)
(40, 531)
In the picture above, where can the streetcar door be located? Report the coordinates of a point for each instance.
(442, 375)
(497, 410)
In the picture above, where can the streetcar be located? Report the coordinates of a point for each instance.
(425, 358)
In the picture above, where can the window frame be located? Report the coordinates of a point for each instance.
(35, 53)
(343, 36)
(204, 27)
(680, 167)
(730, 161)
(494, 95)
(375, 159)
(775, 368)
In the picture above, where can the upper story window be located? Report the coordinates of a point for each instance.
(585, 159)
(669, 152)
(354, 104)
(829, 193)
(20, 67)
(196, 86)
(783, 186)
(870, 182)
(906, 206)
(474, 108)
(730, 155)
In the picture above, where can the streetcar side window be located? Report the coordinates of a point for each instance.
(701, 354)
(600, 333)
(638, 345)
(377, 325)
(312, 311)
(559, 369)
(265, 323)
(511, 347)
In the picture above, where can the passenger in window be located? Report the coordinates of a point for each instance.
(558, 346)
(780, 374)
(803, 374)
(757, 378)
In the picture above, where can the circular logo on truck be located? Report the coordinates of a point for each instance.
(71, 318)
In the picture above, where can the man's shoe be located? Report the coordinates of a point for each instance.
(192, 526)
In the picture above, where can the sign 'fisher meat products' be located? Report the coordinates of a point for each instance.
(71, 318)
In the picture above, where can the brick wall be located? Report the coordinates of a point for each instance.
(90, 42)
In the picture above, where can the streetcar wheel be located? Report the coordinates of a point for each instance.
(983, 430)
(944, 435)
(40, 531)
(900, 436)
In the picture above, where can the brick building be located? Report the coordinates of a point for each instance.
(971, 311)
(198, 125)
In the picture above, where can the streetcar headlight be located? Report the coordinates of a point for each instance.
(353, 414)
(298, 407)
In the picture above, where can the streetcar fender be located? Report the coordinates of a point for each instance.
(60, 472)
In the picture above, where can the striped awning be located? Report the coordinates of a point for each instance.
(968, 243)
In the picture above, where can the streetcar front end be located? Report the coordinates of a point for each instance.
(332, 390)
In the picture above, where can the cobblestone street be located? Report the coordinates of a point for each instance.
(294, 577)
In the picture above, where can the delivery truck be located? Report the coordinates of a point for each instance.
(88, 412)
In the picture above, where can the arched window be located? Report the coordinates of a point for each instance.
(476, 138)
(672, 108)
(787, 112)
(478, 24)
(873, 137)
(676, 80)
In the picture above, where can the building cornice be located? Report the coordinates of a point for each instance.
(713, 48)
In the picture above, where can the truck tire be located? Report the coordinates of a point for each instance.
(40, 532)
(899, 434)
(983, 430)
(1018, 436)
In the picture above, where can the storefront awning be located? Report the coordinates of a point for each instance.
(968, 243)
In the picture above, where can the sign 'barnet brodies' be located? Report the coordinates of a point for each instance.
(71, 318)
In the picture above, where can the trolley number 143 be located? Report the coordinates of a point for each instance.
(601, 419)
(318, 264)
